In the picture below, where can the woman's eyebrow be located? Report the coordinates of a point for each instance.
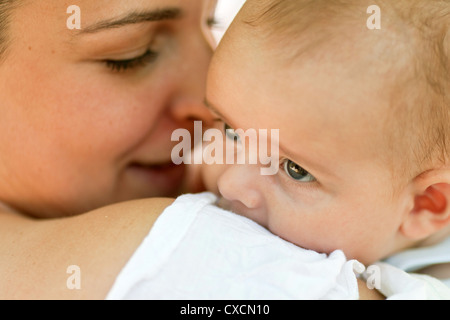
(134, 18)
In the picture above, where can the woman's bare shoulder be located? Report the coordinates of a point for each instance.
(72, 258)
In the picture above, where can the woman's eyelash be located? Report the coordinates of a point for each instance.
(128, 64)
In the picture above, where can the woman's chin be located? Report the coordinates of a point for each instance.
(165, 180)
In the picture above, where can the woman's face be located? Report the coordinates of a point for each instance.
(87, 115)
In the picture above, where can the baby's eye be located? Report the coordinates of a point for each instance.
(297, 173)
(231, 133)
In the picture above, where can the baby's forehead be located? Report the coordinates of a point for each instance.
(317, 102)
(334, 88)
(296, 36)
(394, 77)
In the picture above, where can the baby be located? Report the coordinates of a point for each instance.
(363, 117)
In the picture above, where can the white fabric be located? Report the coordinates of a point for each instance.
(418, 258)
(396, 284)
(198, 251)
(225, 13)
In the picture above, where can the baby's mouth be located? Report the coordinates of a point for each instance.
(223, 203)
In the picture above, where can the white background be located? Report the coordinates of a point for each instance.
(225, 13)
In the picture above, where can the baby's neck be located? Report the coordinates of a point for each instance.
(439, 271)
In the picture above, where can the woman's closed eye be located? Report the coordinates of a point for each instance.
(294, 171)
(131, 64)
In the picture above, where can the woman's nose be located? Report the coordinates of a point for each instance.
(188, 102)
(189, 110)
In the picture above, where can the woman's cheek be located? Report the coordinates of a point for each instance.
(210, 175)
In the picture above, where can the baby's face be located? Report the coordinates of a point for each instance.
(333, 190)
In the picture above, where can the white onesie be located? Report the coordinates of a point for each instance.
(196, 251)
(418, 258)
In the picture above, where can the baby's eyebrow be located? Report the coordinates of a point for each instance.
(317, 169)
(211, 107)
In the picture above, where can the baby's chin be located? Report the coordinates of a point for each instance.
(233, 206)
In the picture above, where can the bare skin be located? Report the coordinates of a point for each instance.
(87, 116)
(38, 252)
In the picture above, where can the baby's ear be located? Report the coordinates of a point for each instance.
(431, 211)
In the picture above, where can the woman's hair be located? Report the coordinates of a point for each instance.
(6, 7)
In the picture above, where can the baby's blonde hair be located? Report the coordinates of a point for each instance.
(415, 52)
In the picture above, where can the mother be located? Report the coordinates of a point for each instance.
(86, 120)
(87, 115)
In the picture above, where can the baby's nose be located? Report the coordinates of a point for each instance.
(239, 183)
